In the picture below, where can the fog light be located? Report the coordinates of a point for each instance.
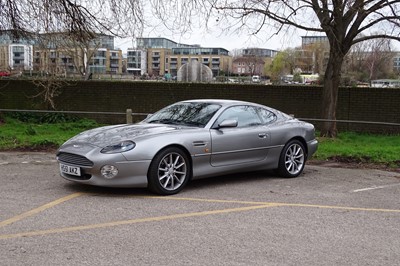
(109, 171)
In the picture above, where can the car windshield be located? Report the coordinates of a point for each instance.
(185, 113)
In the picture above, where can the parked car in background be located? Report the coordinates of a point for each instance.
(189, 140)
(385, 83)
(255, 79)
(4, 74)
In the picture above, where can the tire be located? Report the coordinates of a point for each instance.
(169, 171)
(292, 159)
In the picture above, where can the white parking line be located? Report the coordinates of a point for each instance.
(375, 187)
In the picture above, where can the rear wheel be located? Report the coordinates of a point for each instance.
(169, 171)
(292, 159)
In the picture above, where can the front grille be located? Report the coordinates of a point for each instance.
(74, 159)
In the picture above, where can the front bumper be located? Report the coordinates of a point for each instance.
(90, 162)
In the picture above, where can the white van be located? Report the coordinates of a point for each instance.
(256, 79)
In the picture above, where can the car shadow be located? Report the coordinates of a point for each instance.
(198, 184)
(231, 179)
(112, 191)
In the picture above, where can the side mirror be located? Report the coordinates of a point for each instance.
(228, 123)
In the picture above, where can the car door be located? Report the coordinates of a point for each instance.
(244, 143)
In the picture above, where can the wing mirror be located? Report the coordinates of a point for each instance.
(228, 123)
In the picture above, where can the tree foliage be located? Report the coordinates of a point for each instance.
(283, 64)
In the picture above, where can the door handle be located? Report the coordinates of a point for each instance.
(263, 135)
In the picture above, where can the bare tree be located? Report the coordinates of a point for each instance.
(68, 28)
(343, 22)
(377, 57)
(81, 18)
(254, 65)
(371, 59)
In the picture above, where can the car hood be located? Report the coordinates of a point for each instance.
(108, 135)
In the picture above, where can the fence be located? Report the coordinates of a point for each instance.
(106, 102)
(129, 116)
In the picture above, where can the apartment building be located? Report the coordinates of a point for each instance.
(248, 66)
(307, 40)
(259, 52)
(166, 56)
(16, 51)
(59, 53)
(253, 61)
(396, 63)
(313, 55)
(136, 62)
(217, 59)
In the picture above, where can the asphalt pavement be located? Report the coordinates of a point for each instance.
(327, 216)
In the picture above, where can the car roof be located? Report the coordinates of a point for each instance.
(220, 101)
(226, 102)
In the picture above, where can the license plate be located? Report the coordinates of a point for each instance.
(70, 170)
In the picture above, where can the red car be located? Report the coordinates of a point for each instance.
(4, 74)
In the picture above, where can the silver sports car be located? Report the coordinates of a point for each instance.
(189, 140)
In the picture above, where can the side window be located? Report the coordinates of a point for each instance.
(267, 116)
(245, 115)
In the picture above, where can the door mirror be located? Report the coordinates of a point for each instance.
(228, 123)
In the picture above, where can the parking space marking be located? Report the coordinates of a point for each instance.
(40, 209)
(133, 221)
(375, 187)
(280, 204)
(255, 205)
(212, 200)
(338, 207)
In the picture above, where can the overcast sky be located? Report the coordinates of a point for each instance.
(228, 41)
(215, 37)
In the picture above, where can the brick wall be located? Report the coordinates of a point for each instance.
(363, 104)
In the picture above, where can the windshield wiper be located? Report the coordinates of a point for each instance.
(192, 123)
(163, 121)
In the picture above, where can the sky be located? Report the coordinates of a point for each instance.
(214, 36)
(217, 38)
(229, 41)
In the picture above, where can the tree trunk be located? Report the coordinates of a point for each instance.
(330, 93)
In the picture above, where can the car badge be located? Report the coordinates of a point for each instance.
(76, 146)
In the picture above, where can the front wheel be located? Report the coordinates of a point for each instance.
(169, 171)
(292, 159)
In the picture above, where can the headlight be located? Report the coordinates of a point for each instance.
(120, 147)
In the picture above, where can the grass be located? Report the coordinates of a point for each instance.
(361, 148)
(31, 135)
(27, 132)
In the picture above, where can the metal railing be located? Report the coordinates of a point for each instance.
(350, 121)
(130, 114)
